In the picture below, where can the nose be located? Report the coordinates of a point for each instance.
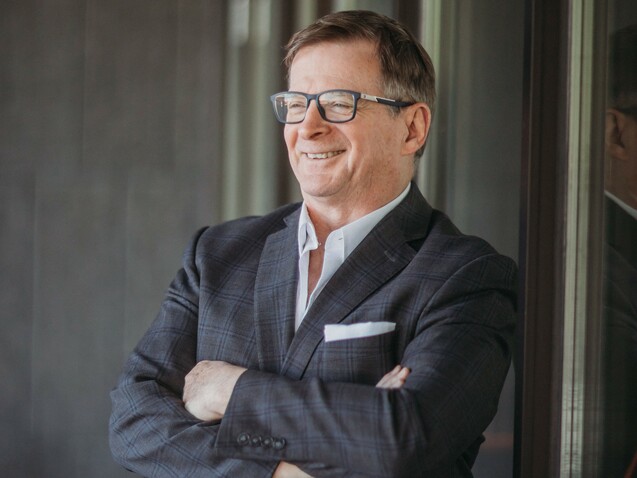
(313, 124)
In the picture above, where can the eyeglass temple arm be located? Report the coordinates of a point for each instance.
(385, 101)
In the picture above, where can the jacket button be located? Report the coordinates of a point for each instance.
(243, 439)
(279, 443)
(255, 440)
(267, 442)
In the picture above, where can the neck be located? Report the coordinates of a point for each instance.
(327, 217)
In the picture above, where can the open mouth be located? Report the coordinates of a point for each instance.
(330, 154)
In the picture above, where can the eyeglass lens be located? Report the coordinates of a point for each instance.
(335, 106)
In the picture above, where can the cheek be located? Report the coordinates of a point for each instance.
(630, 142)
(289, 135)
(633, 171)
(631, 149)
(383, 144)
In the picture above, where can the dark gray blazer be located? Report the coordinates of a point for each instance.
(314, 403)
(620, 346)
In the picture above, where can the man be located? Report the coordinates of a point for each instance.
(620, 294)
(355, 334)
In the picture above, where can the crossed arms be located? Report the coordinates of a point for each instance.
(209, 385)
(168, 420)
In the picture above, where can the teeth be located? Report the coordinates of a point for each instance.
(323, 155)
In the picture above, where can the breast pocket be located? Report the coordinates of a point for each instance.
(358, 360)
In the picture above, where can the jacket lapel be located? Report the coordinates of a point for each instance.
(381, 255)
(275, 296)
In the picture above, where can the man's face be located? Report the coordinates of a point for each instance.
(630, 139)
(621, 149)
(359, 165)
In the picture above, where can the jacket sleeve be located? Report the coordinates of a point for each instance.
(459, 358)
(151, 433)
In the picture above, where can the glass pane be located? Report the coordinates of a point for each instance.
(619, 435)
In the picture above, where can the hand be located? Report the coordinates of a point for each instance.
(208, 387)
(394, 378)
(288, 470)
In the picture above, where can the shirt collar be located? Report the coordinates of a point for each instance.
(352, 233)
(306, 233)
(631, 211)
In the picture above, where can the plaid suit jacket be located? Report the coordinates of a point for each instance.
(312, 402)
(620, 342)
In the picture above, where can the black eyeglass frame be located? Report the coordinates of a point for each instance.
(357, 95)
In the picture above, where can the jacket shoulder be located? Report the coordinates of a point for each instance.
(446, 244)
(239, 235)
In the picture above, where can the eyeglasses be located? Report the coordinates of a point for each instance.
(334, 106)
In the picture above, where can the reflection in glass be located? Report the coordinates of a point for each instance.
(619, 440)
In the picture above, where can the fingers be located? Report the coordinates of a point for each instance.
(288, 470)
(388, 377)
(208, 388)
(395, 378)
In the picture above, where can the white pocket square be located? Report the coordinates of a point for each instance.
(335, 332)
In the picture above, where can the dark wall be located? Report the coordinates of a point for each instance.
(109, 152)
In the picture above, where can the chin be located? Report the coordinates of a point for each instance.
(316, 184)
(318, 190)
(314, 193)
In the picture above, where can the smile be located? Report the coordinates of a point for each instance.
(323, 155)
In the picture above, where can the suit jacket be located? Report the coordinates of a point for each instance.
(312, 402)
(620, 327)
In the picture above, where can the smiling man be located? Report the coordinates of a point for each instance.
(358, 333)
(350, 168)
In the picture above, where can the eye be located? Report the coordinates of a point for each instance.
(337, 102)
(295, 104)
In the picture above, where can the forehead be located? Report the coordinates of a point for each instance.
(340, 64)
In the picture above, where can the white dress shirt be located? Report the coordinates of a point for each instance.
(338, 245)
(631, 211)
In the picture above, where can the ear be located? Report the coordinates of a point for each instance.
(615, 124)
(418, 121)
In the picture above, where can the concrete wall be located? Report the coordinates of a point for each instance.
(109, 159)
